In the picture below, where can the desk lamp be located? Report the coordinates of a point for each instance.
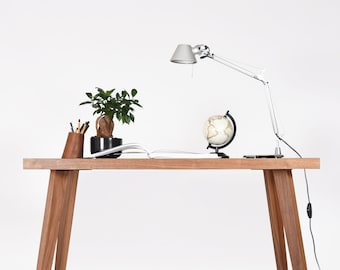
(186, 54)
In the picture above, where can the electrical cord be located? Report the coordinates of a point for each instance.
(309, 204)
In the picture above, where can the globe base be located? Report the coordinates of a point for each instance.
(216, 148)
(222, 155)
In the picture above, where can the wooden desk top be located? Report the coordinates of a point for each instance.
(170, 164)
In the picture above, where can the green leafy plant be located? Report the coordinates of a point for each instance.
(109, 105)
(119, 105)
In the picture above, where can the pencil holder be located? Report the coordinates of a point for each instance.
(74, 145)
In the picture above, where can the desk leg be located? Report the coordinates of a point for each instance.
(57, 219)
(276, 221)
(284, 218)
(70, 188)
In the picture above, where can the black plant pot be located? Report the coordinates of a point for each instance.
(99, 144)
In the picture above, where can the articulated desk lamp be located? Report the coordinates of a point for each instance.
(185, 54)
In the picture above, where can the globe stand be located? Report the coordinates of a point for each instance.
(219, 154)
(218, 147)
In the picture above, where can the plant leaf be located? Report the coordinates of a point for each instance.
(125, 94)
(132, 117)
(85, 102)
(133, 92)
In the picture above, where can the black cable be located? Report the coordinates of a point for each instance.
(309, 205)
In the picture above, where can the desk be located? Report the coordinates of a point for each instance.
(283, 213)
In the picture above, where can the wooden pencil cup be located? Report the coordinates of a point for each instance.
(74, 145)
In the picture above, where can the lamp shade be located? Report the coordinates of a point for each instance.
(183, 55)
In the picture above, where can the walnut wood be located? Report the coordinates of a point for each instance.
(53, 211)
(69, 189)
(74, 145)
(61, 194)
(275, 221)
(194, 164)
(289, 213)
(57, 223)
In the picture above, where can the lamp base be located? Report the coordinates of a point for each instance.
(263, 156)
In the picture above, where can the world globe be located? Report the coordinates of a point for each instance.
(219, 131)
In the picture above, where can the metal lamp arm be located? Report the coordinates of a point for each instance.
(203, 51)
(237, 68)
(271, 109)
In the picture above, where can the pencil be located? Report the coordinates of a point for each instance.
(81, 128)
(86, 126)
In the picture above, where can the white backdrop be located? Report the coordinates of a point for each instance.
(53, 52)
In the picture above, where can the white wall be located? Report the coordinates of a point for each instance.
(51, 53)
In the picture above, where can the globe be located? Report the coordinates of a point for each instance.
(219, 131)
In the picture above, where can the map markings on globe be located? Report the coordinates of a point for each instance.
(219, 131)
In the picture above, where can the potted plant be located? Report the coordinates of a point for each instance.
(110, 105)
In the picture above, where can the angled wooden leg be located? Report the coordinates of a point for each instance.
(275, 221)
(57, 219)
(287, 202)
(52, 215)
(69, 188)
